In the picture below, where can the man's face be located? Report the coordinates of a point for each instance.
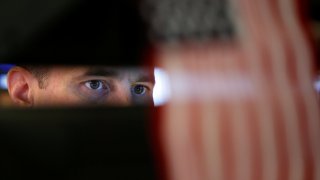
(84, 85)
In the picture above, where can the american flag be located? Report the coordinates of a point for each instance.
(243, 109)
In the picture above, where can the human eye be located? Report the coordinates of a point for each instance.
(94, 90)
(139, 89)
(141, 93)
(95, 85)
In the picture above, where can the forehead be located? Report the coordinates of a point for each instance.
(107, 71)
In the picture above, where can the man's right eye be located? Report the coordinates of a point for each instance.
(94, 90)
(95, 85)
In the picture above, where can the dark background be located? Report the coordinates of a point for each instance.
(71, 31)
(76, 143)
(80, 31)
(314, 10)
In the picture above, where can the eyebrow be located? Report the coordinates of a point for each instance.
(109, 72)
(101, 72)
(145, 78)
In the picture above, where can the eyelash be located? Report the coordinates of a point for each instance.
(146, 88)
(102, 85)
(95, 89)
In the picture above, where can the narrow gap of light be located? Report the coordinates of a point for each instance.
(3, 81)
(161, 90)
(317, 85)
(5, 67)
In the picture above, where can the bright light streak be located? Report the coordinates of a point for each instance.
(3, 81)
(161, 90)
(317, 85)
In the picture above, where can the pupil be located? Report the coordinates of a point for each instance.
(138, 89)
(94, 84)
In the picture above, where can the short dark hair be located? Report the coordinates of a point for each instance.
(39, 72)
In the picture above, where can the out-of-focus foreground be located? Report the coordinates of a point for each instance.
(244, 104)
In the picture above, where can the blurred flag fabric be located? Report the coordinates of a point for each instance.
(243, 105)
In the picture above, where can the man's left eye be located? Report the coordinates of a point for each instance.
(139, 89)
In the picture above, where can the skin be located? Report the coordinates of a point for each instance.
(81, 85)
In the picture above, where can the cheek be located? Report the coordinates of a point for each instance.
(55, 95)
